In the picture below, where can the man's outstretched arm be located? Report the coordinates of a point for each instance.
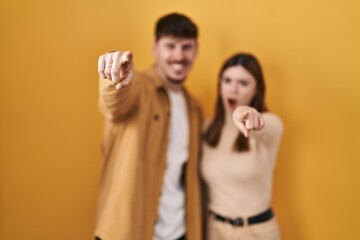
(118, 90)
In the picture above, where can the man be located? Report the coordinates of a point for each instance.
(150, 187)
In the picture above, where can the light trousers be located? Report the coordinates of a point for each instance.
(218, 230)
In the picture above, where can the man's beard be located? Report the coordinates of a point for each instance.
(176, 81)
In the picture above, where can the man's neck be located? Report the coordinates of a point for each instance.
(168, 84)
(173, 87)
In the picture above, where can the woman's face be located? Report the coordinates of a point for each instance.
(237, 87)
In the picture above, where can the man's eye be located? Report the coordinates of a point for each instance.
(187, 47)
(170, 46)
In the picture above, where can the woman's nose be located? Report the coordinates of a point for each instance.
(234, 87)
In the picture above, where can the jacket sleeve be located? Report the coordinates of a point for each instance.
(116, 105)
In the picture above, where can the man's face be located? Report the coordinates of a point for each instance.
(174, 58)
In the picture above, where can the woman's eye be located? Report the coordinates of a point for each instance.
(243, 83)
(226, 80)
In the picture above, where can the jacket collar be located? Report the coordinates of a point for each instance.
(159, 85)
(155, 78)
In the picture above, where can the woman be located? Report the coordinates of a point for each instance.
(240, 148)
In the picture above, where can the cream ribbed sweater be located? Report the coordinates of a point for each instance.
(240, 183)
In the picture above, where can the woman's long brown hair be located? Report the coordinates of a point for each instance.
(251, 64)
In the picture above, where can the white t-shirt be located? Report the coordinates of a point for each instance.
(171, 213)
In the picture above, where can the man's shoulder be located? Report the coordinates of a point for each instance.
(148, 77)
(196, 103)
(192, 99)
(142, 74)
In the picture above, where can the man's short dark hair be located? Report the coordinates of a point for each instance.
(176, 25)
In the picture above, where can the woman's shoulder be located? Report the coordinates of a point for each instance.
(206, 124)
(273, 121)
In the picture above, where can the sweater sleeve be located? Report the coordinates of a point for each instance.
(115, 105)
(272, 131)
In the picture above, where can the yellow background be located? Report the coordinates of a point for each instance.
(50, 127)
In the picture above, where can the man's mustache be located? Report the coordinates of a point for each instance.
(184, 62)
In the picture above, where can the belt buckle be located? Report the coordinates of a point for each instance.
(238, 221)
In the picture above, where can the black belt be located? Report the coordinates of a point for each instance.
(262, 217)
(181, 238)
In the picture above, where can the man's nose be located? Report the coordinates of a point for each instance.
(178, 54)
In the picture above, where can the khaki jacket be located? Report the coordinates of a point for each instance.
(134, 148)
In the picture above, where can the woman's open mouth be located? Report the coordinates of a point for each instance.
(232, 102)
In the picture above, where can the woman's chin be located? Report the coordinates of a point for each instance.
(230, 109)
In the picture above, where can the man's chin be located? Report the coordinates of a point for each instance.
(176, 81)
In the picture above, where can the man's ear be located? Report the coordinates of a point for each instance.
(197, 47)
(154, 48)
